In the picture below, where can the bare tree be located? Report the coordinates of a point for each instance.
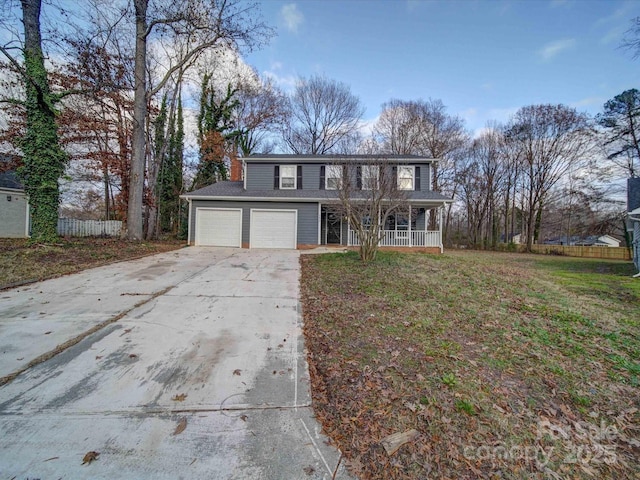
(261, 110)
(513, 159)
(480, 182)
(552, 140)
(421, 127)
(631, 40)
(399, 128)
(201, 25)
(368, 194)
(322, 114)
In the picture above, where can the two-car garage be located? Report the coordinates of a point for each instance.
(268, 228)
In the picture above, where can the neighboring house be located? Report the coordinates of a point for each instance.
(14, 207)
(590, 241)
(633, 209)
(606, 241)
(291, 201)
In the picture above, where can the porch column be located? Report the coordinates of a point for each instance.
(409, 229)
(440, 228)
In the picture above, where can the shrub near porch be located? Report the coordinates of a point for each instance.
(508, 365)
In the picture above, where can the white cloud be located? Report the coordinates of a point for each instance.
(589, 102)
(285, 81)
(291, 16)
(469, 115)
(366, 126)
(623, 13)
(550, 50)
(502, 115)
(614, 35)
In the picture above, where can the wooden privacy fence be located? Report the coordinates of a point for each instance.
(71, 227)
(613, 253)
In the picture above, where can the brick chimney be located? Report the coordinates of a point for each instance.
(235, 170)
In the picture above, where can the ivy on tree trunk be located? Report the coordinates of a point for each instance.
(44, 161)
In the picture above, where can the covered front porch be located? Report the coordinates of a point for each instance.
(415, 227)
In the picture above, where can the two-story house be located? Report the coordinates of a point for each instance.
(292, 201)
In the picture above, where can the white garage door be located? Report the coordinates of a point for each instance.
(273, 228)
(219, 227)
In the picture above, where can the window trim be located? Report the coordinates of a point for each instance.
(329, 169)
(366, 184)
(400, 178)
(282, 169)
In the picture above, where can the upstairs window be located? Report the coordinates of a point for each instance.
(333, 177)
(406, 177)
(370, 175)
(287, 177)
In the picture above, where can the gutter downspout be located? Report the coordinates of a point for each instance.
(189, 225)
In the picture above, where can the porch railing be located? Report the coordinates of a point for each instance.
(398, 238)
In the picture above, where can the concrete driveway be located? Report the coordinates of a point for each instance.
(195, 369)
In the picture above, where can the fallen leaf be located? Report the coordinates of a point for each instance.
(90, 457)
(411, 406)
(126, 330)
(243, 417)
(237, 371)
(309, 470)
(179, 398)
(133, 355)
(98, 357)
(182, 424)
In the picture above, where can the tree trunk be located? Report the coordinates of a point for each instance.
(138, 154)
(44, 160)
(107, 204)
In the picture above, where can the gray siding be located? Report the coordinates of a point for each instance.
(13, 214)
(311, 176)
(425, 174)
(307, 217)
(633, 193)
(421, 221)
(260, 176)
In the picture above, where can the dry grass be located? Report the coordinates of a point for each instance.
(509, 365)
(21, 262)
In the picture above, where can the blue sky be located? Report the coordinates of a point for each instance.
(484, 59)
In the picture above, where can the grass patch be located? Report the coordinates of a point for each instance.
(476, 350)
(21, 262)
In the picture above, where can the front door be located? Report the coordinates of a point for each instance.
(333, 229)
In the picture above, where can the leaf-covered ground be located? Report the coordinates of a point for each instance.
(508, 365)
(22, 262)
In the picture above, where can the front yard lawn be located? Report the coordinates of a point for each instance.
(507, 365)
(22, 262)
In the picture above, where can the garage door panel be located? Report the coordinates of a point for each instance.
(274, 228)
(218, 227)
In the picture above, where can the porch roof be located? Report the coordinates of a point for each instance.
(235, 191)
